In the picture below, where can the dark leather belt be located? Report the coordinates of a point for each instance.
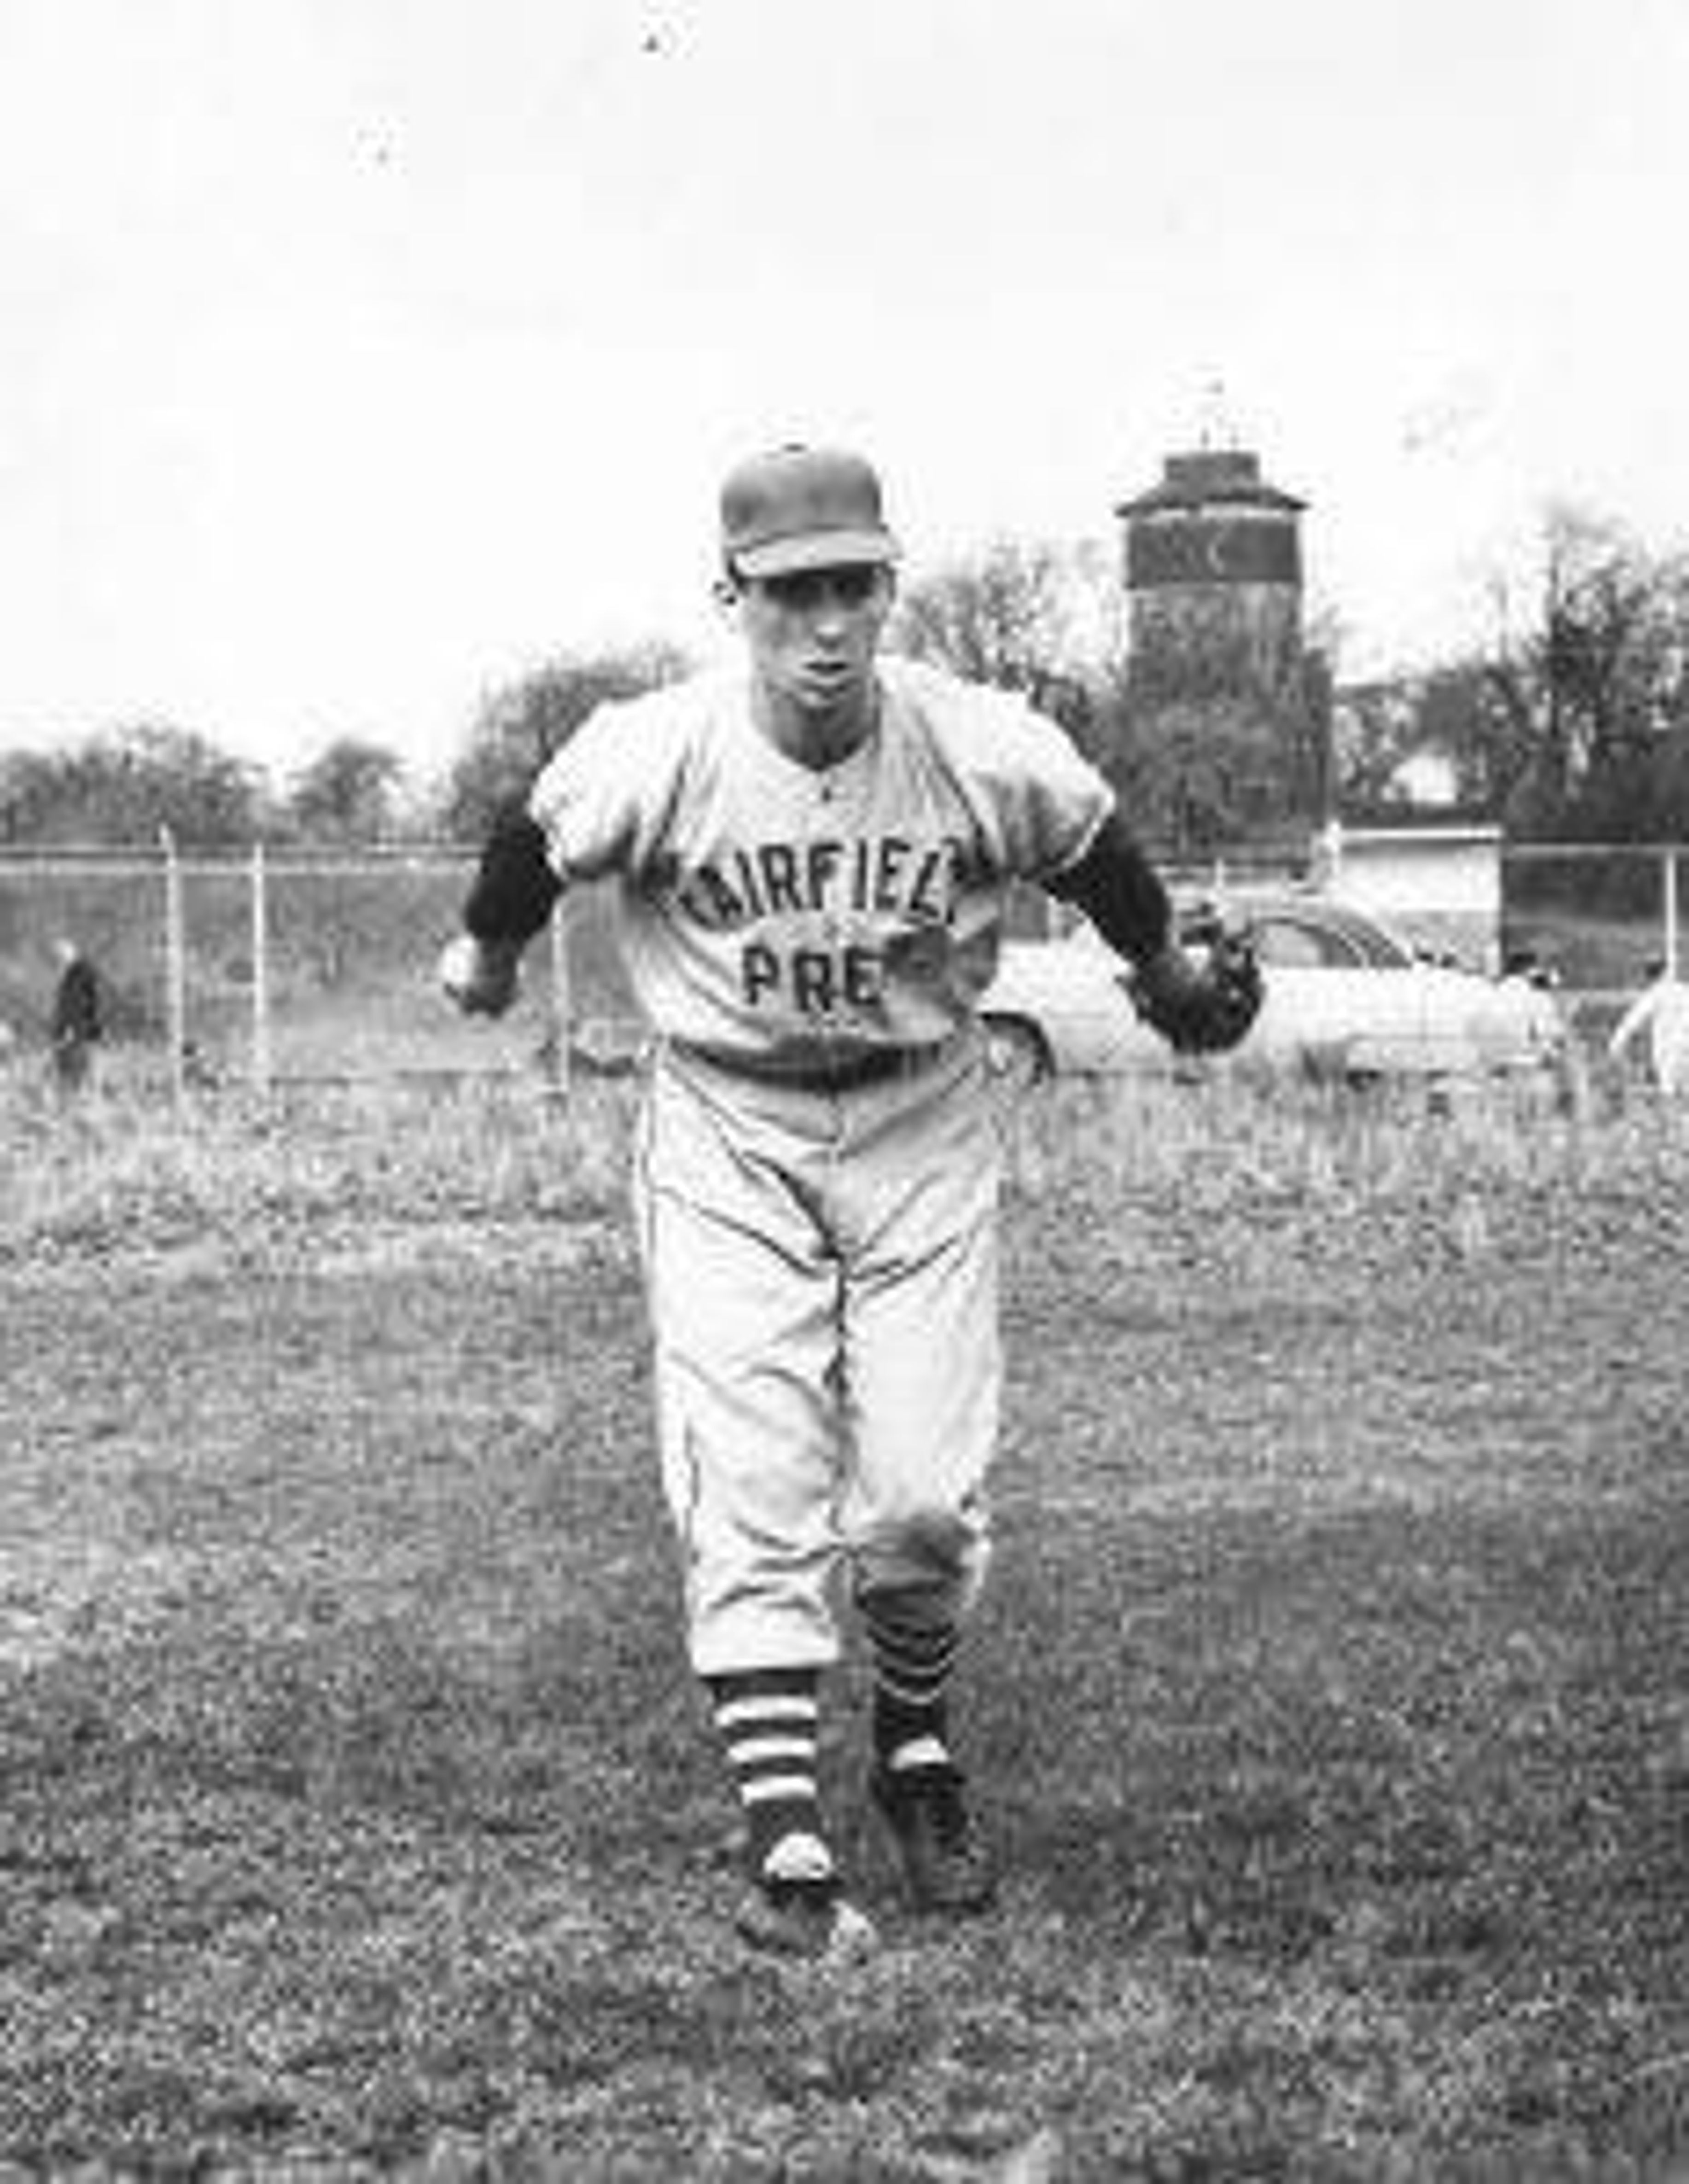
(851, 1072)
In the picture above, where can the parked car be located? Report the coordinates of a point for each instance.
(1346, 999)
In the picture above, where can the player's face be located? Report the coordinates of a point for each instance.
(813, 635)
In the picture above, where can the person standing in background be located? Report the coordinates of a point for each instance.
(76, 1025)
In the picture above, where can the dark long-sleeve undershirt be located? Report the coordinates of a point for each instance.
(515, 889)
(1120, 891)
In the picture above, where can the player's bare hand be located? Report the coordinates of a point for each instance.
(479, 976)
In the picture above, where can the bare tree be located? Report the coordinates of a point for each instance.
(1581, 702)
(996, 618)
(1039, 618)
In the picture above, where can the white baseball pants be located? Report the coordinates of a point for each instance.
(822, 1272)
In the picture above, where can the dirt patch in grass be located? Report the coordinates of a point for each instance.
(1330, 1701)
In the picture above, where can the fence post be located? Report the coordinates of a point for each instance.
(1325, 862)
(558, 1046)
(262, 1056)
(175, 970)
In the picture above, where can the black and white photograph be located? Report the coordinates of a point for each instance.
(843, 1092)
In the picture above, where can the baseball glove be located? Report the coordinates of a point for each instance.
(1201, 1003)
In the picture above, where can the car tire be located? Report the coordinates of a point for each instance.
(1016, 1054)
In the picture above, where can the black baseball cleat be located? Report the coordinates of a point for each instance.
(810, 1919)
(947, 1867)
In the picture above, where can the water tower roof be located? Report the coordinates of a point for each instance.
(1211, 477)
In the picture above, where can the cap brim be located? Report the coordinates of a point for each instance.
(818, 550)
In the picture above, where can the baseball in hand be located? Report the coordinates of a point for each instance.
(476, 978)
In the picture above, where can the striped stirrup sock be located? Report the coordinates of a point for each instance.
(911, 1671)
(769, 1721)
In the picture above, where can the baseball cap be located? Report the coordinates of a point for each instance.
(803, 508)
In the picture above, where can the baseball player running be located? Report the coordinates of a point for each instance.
(813, 851)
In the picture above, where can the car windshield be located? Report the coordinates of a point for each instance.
(1327, 943)
(1321, 935)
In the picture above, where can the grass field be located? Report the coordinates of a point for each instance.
(1330, 1701)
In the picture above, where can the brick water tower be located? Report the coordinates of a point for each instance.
(1214, 583)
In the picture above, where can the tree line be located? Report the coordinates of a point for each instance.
(1569, 722)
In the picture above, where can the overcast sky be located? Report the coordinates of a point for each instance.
(356, 355)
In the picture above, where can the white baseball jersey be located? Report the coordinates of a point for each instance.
(774, 910)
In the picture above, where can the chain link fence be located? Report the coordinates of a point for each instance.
(1599, 919)
(292, 967)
